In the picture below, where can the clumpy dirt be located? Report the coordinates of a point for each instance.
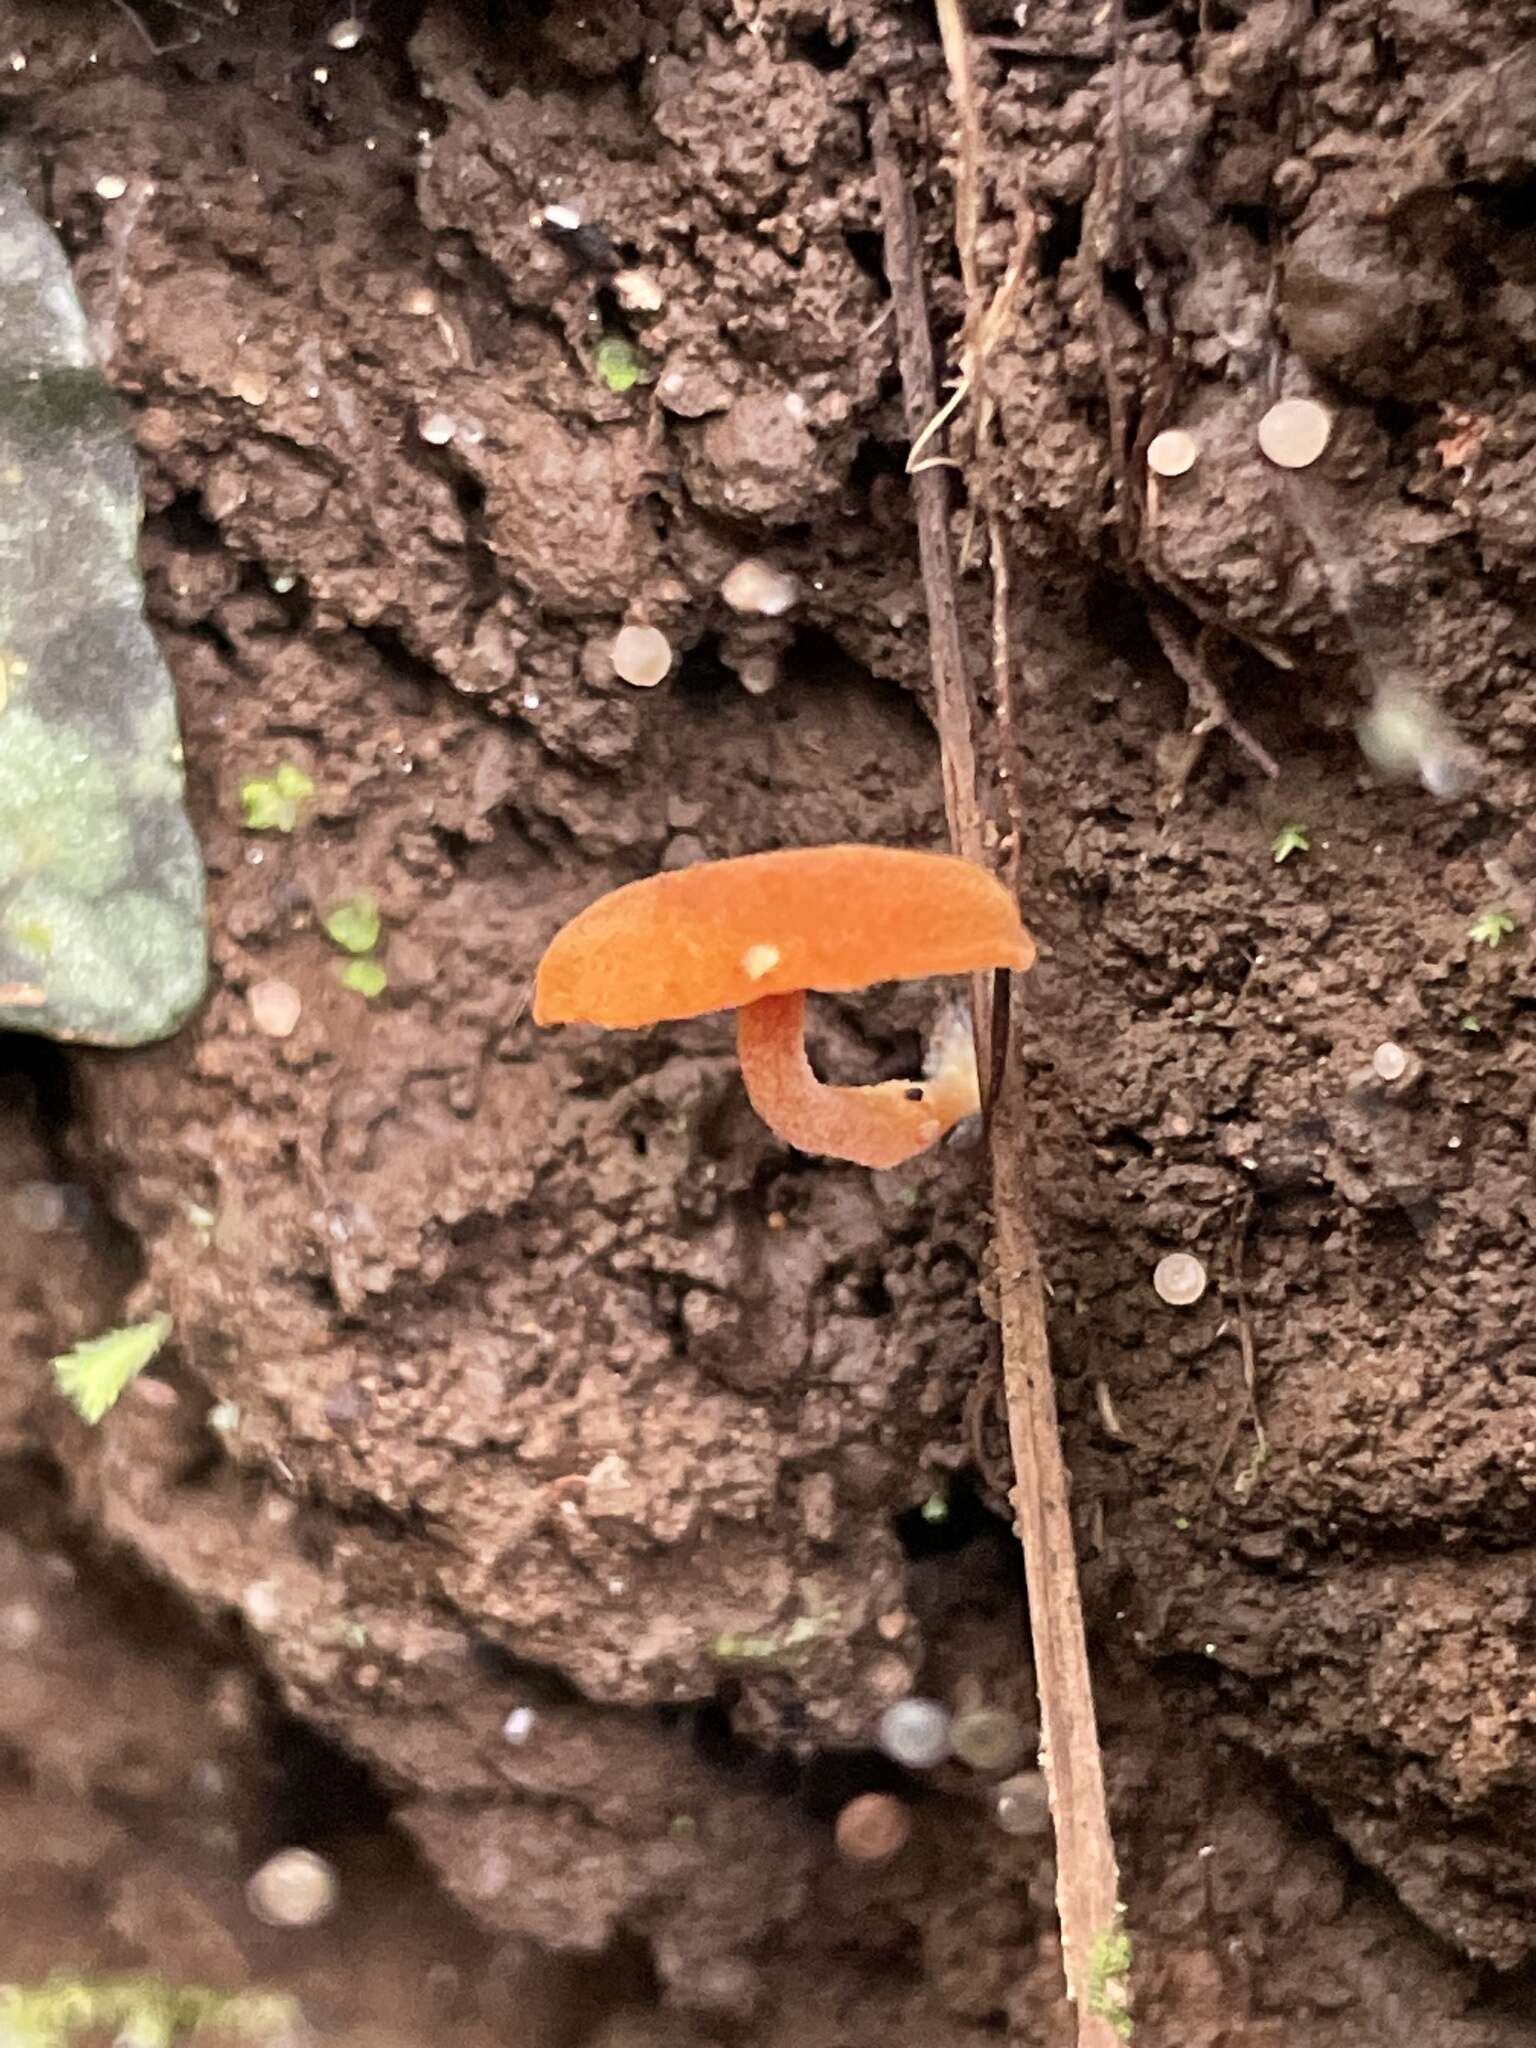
(523, 1371)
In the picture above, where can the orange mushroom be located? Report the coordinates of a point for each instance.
(754, 934)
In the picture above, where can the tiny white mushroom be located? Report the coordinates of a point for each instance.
(346, 34)
(989, 1739)
(757, 587)
(1294, 433)
(1389, 1062)
(1172, 453)
(294, 1888)
(1022, 1805)
(915, 1733)
(111, 185)
(641, 655)
(1179, 1279)
(758, 673)
(439, 428)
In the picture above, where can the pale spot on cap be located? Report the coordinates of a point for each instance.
(760, 960)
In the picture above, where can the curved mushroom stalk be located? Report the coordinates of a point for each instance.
(877, 1126)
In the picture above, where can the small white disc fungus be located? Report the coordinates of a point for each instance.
(1294, 433)
(276, 1007)
(758, 673)
(641, 655)
(294, 1888)
(872, 1828)
(1022, 1805)
(915, 1733)
(757, 587)
(1172, 453)
(988, 1739)
(111, 185)
(1179, 1279)
(1389, 1062)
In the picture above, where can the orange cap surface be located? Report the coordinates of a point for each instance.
(726, 932)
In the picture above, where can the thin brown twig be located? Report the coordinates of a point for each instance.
(953, 713)
(1204, 693)
(1087, 1874)
(1248, 1407)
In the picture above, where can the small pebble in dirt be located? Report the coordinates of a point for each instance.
(276, 1007)
(641, 655)
(872, 1828)
(111, 185)
(989, 1739)
(1022, 1806)
(345, 35)
(519, 1725)
(438, 428)
(1294, 433)
(1389, 1062)
(420, 302)
(758, 674)
(638, 292)
(294, 1888)
(915, 1733)
(757, 587)
(1172, 453)
(1179, 1279)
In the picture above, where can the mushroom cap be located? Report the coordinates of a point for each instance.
(726, 932)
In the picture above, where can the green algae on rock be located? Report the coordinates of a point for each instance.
(101, 882)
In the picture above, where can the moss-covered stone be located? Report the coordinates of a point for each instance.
(101, 883)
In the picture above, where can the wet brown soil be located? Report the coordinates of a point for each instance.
(526, 1371)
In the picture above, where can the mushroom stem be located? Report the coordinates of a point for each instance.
(878, 1126)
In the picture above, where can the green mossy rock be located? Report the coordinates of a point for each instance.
(101, 882)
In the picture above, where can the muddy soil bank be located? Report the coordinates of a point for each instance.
(542, 1377)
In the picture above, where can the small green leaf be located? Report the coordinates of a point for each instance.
(1109, 1969)
(273, 803)
(364, 978)
(1470, 1024)
(1291, 838)
(354, 925)
(618, 362)
(1491, 928)
(94, 1374)
(935, 1508)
